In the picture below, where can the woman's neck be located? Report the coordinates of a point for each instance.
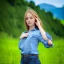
(32, 27)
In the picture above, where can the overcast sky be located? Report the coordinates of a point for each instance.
(57, 3)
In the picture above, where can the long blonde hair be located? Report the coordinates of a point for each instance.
(35, 16)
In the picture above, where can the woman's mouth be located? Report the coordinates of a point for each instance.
(29, 23)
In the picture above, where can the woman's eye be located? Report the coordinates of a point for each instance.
(26, 18)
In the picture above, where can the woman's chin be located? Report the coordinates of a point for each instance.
(29, 25)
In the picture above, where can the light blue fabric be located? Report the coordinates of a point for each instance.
(28, 45)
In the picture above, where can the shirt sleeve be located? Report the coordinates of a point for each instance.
(45, 42)
(20, 41)
(19, 44)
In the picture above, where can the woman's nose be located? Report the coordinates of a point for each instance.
(29, 20)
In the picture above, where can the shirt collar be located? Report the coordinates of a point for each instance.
(32, 30)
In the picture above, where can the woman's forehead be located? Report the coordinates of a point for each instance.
(28, 14)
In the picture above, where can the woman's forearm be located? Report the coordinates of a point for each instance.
(44, 35)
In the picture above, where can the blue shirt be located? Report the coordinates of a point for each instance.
(28, 45)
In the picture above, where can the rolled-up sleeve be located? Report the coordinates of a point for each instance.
(45, 42)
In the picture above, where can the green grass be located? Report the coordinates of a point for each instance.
(54, 55)
(62, 21)
(10, 54)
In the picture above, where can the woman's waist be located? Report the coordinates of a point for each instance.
(26, 55)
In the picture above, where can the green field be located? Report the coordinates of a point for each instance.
(62, 21)
(10, 54)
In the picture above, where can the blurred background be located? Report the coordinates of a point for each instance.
(51, 12)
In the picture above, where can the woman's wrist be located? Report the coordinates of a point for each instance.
(41, 29)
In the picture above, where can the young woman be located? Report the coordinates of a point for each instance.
(30, 39)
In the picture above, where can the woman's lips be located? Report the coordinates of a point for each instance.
(29, 23)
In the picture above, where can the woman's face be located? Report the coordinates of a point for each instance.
(30, 20)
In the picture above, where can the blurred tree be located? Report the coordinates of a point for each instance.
(32, 4)
(50, 13)
(12, 2)
(12, 18)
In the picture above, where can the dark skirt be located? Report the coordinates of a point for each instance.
(30, 59)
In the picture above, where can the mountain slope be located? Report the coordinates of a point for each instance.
(57, 12)
(12, 19)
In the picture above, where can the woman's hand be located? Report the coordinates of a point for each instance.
(23, 35)
(49, 42)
